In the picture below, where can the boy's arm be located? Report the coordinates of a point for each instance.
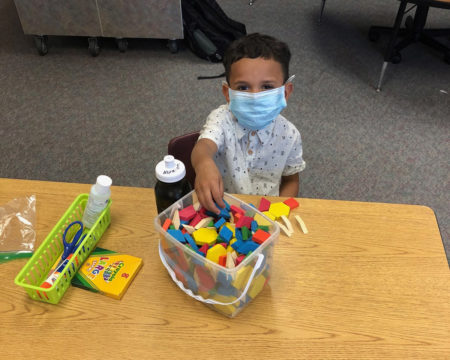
(289, 185)
(208, 180)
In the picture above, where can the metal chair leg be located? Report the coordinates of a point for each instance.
(321, 10)
(391, 46)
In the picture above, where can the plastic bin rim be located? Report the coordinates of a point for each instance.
(272, 239)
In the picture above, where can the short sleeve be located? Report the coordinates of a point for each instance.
(214, 128)
(294, 162)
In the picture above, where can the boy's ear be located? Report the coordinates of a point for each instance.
(225, 91)
(288, 88)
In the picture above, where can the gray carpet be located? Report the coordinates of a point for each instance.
(68, 116)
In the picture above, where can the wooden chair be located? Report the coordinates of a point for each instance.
(414, 31)
(181, 148)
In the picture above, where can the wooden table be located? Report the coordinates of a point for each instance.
(370, 280)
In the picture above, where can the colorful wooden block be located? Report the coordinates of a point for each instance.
(291, 202)
(197, 218)
(219, 223)
(177, 234)
(187, 213)
(244, 221)
(261, 220)
(242, 275)
(260, 236)
(225, 234)
(215, 252)
(230, 262)
(166, 224)
(245, 233)
(176, 219)
(257, 285)
(264, 204)
(278, 209)
(254, 226)
(301, 223)
(236, 210)
(205, 236)
(269, 215)
(204, 249)
(203, 223)
(287, 223)
(222, 260)
(191, 241)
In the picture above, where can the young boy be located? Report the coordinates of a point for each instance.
(246, 146)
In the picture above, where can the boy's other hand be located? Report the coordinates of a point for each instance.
(209, 186)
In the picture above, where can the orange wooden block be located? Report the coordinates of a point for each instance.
(167, 224)
(223, 260)
(260, 236)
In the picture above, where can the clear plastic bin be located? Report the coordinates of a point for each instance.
(225, 290)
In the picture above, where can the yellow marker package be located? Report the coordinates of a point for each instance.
(107, 272)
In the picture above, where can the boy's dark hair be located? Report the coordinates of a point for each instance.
(254, 46)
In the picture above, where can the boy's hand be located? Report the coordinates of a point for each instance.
(208, 181)
(209, 186)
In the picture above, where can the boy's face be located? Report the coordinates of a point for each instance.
(255, 75)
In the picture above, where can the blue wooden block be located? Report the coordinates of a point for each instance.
(247, 247)
(219, 223)
(224, 279)
(177, 234)
(254, 226)
(238, 234)
(227, 206)
(237, 245)
(183, 222)
(227, 290)
(226, 234)
(191, 241)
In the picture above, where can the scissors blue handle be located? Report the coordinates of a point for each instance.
(70, 247)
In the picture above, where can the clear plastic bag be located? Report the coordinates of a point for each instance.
(17, 234)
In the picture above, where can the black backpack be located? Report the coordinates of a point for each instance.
(208, 30)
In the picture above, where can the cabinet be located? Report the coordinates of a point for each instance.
(120, 19)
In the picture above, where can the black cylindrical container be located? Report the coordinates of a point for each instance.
(172, 184)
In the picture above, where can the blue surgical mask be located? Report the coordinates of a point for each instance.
(256, 110)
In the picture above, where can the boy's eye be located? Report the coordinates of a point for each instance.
(242, 88)
(267, 87)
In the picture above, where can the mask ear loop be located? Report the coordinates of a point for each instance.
(292, 77)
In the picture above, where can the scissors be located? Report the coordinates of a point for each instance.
(71, 247)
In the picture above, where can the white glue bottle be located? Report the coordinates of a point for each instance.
(98, 199)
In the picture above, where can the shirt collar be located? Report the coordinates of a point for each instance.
(264, 135)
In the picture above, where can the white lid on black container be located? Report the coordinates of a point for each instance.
(170, 170)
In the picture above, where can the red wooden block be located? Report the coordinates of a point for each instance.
(206, 281)
(187, 213)
(202, 213)
(167, 224)
(183, 231)
(264, 204)
(236, 210)
(239, 259)
(244, 221)
(204, 249)
(291, 202)
(225, 245)
(195, 220)
(223, 260)
(260, 236)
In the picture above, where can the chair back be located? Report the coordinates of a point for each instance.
(181, 148)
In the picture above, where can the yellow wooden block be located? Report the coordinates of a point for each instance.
(232, 241)
(263, 221)
(229, 249)
(257, 286)
(269, 215)
(205, 236)
(241, 277)
(279, 209)
(215, 252)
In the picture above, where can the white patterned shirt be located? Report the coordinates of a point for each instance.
(253, 162)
